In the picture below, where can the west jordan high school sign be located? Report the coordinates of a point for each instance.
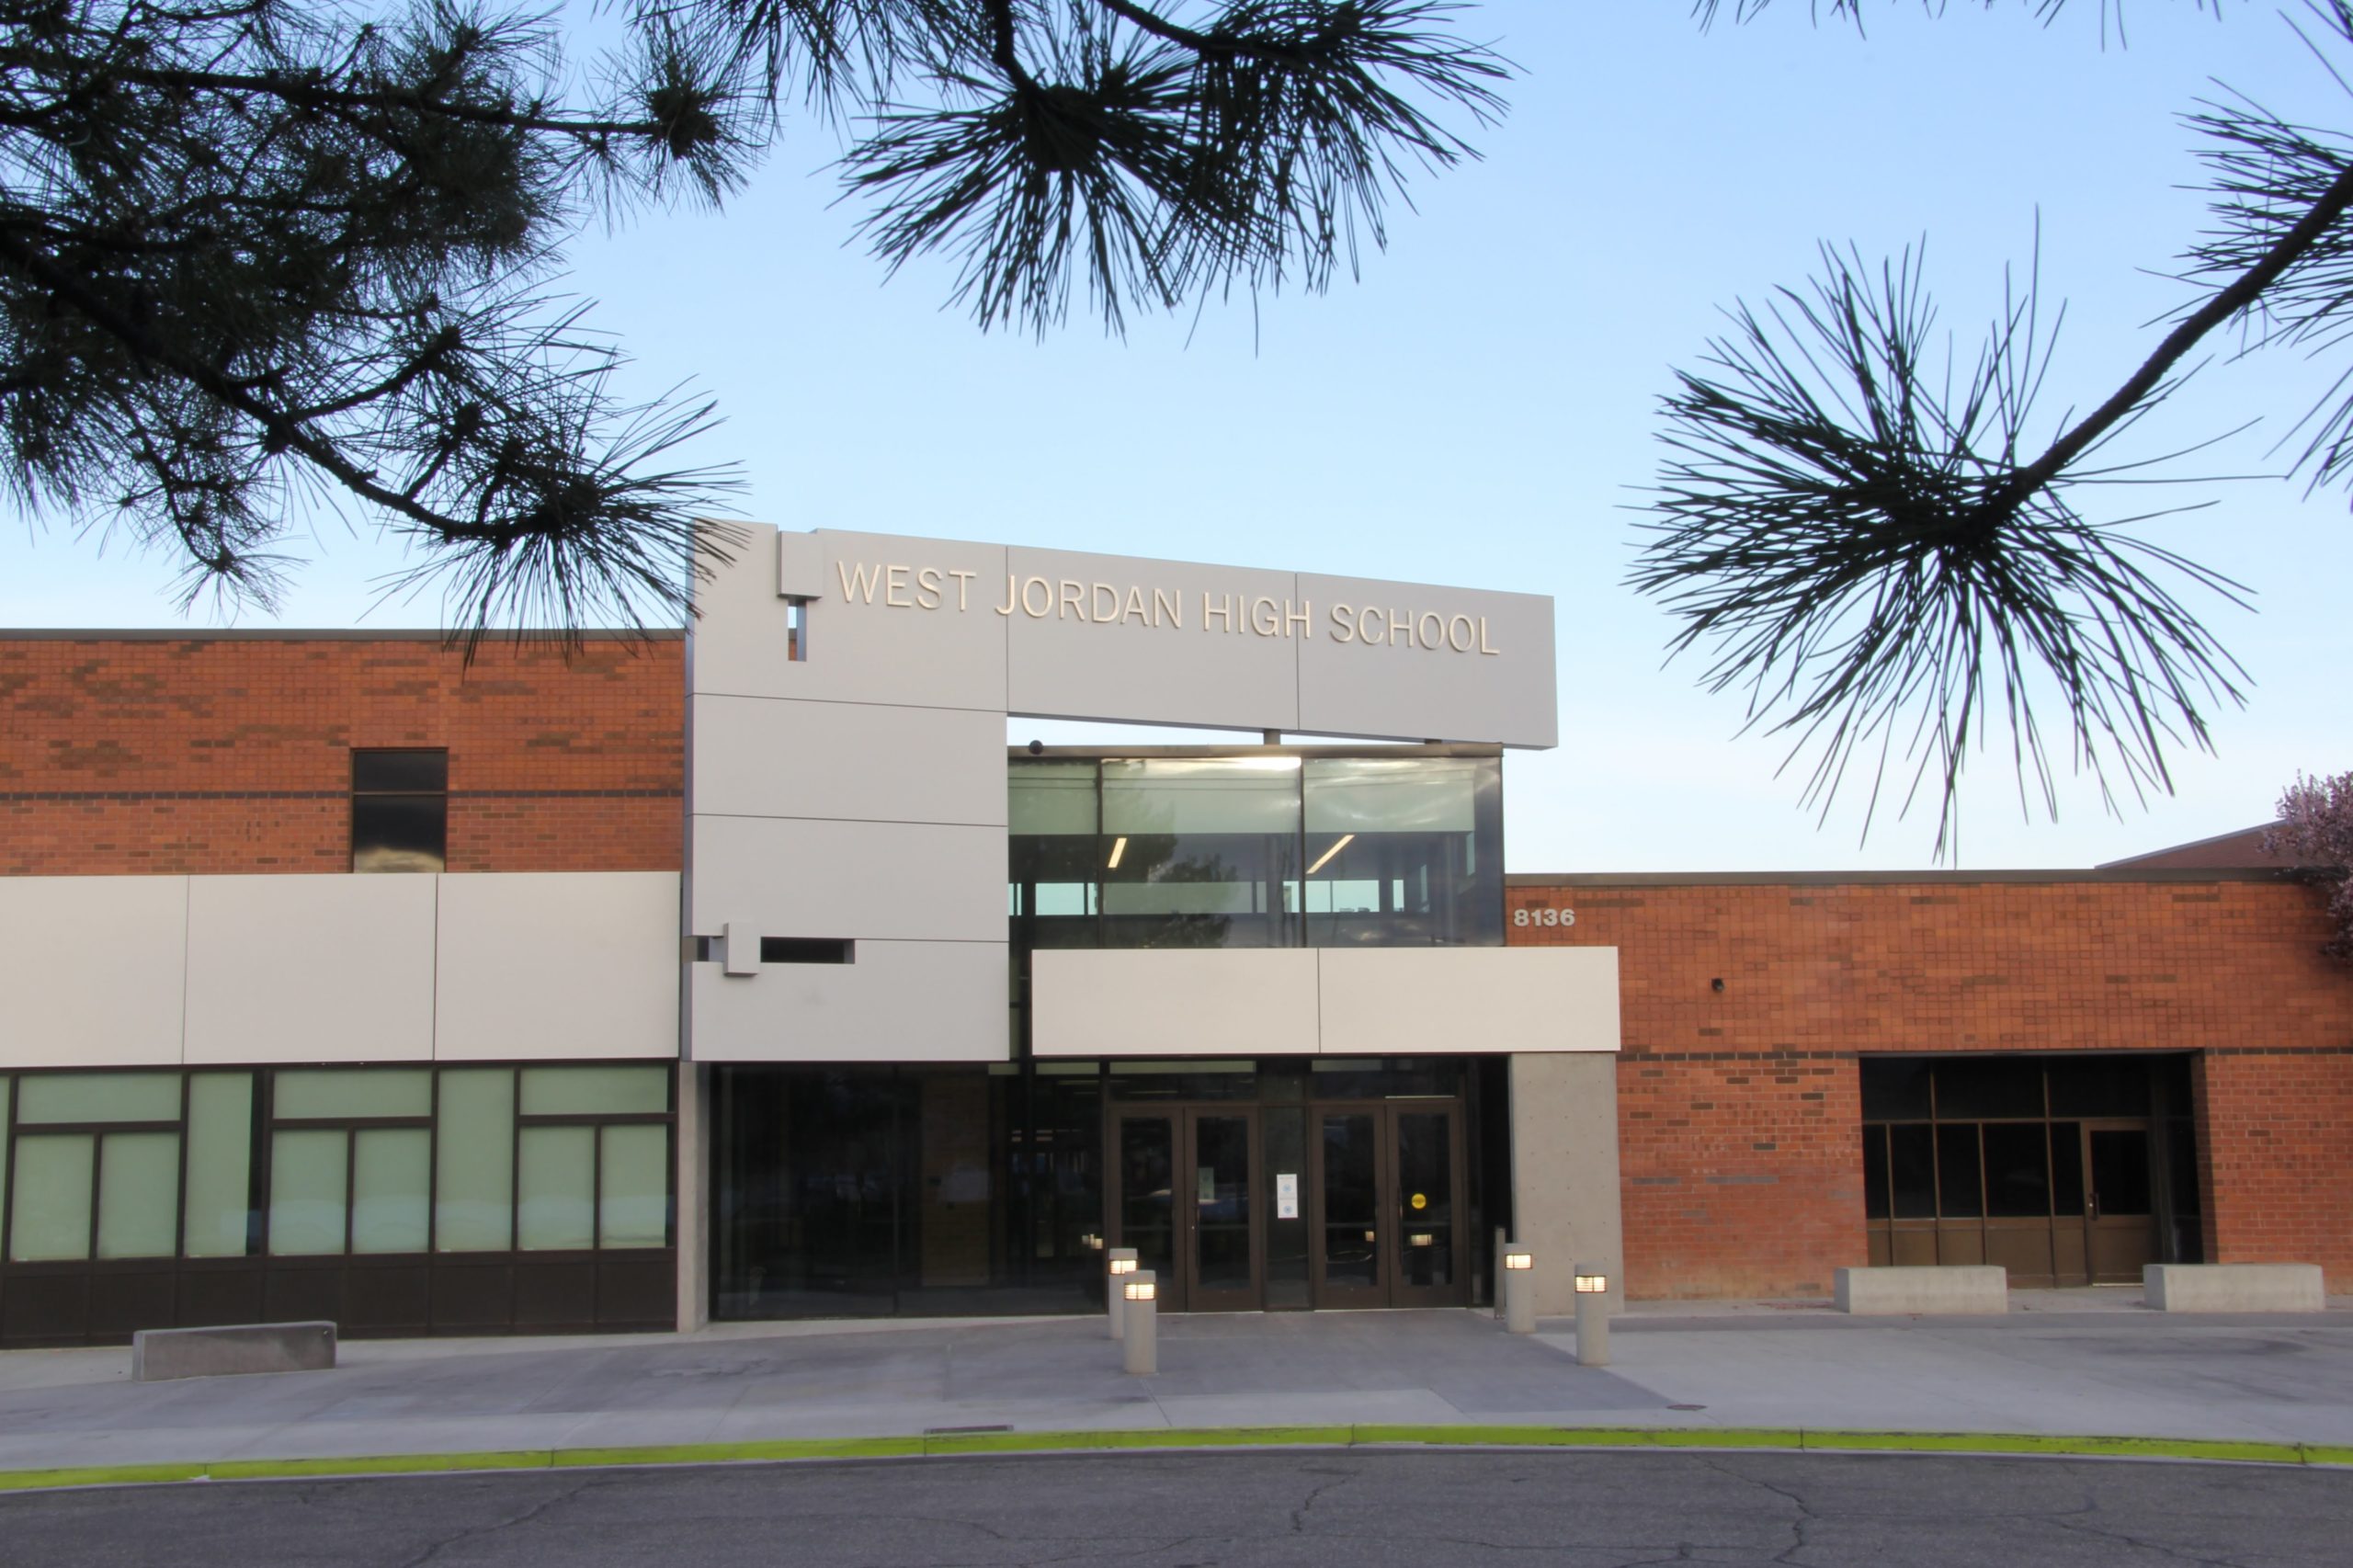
(941, 625)
(1112, 604)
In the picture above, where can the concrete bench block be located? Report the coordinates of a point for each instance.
(2233, 1287)
(160, 1352)
(1884, 1292)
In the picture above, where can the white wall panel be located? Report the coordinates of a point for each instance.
(764, 757)
(1417, 1000)
(555, 965)
(92, 971)
(919, 635)
(310, 969)
(908, 881)
(1185, 669)
(900, 1002)
(1172, 1002)
(1429, 675)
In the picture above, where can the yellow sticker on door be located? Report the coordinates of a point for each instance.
(1420, 1201)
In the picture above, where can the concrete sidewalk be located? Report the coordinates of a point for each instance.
(2078, 1366)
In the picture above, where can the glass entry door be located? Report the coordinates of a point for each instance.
(1186, 1184)
(2120, 1218)
(1388, 1230)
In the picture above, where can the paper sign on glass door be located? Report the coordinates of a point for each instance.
(1286, 1195)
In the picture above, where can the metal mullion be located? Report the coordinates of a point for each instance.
(596, 1190)
(96, 1129)
(8, 1154)
(432, 1174)
(313, 1123)
(179, 1225)
(261, 1170)
(594, 1118)
(514, 1174)
(97, 1196)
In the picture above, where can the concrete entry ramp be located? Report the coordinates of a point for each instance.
(232, 1350)
(1969, 1289)
(2233, 1287)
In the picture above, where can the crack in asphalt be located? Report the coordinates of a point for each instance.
(497, 1526)
(2083, 1526)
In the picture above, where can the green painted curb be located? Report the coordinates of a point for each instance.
(946, 1444)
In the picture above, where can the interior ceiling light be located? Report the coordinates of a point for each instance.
(1119, 847)
(1321, 860)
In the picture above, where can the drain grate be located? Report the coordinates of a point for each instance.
(960, 1431)
(1687, 1407)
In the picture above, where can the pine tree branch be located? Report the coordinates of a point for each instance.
(2242, 292)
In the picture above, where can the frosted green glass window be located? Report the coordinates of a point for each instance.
(474, 1198)
(390, 1173)
(633, 1210)
(558, 1186)
(220, 1164)
(4, 1087)
(307, 1175)
(1420, 794)
(596, 1091)
(1050, 798)
(351, 1094)
(1188, 795)
(139, 1194)
(51, 1218)
(99, 1096)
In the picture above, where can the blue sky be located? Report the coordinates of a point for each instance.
(1478, 407)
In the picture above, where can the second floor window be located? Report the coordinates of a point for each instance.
(400, 810)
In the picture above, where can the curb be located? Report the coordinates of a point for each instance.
(942, 1444)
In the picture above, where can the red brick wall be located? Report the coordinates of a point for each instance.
(232, 754)
(1740, 1111)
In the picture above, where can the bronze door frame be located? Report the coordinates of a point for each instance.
(1180, 1290)
(2118, 1233)
(1391, 1229)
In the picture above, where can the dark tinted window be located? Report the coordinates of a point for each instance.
(2096, 1086)
(1896, 1089)
(2067, 1167)
(403, 772)
(1912, 1162)
(2017, 1170)
(400, 810)
(1988, 1086)
(1957, 1194)
(399, 833)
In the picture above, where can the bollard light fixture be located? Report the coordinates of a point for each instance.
(1591, 1281)
(1139, 1287)
(1518, 1258)
(1123, 1260)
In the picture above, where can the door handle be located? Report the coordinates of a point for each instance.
(2092, 1203)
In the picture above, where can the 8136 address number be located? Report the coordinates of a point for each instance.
(1544, 916)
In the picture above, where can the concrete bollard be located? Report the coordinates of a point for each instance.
(1520, 1289)
(1121, 1263)
(1592, 1315)
(1141, 1356)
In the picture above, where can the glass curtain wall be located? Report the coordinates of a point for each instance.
(948, 1190)
(1256, 850)
(940, 1190)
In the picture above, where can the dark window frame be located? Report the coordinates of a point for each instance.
(366, 794)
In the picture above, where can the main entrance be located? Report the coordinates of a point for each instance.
(1381, 1194)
